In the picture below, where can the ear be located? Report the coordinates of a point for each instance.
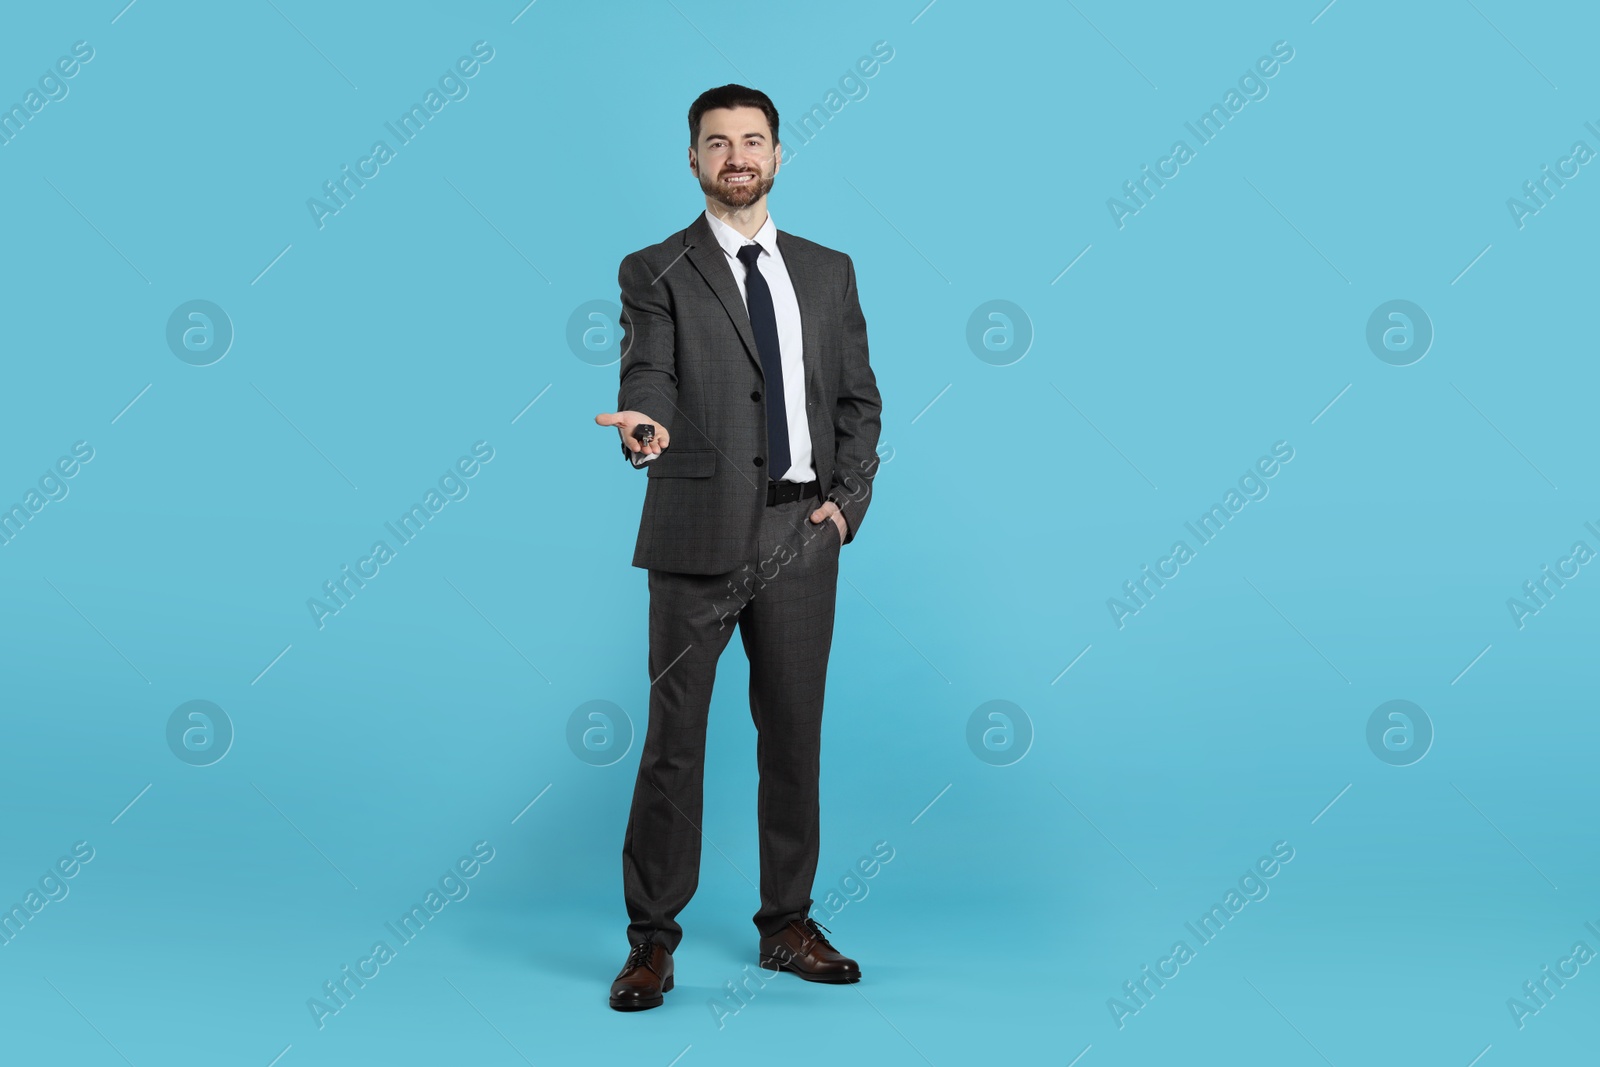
(694, 167)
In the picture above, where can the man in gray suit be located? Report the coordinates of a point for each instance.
(745, 354)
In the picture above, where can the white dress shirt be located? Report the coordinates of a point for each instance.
(786, 310)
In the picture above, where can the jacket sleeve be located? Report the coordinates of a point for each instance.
(856, 416)
(649, 379)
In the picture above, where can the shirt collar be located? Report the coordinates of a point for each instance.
(732, 240)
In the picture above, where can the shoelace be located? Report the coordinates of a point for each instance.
(640, 956)
(815, 928)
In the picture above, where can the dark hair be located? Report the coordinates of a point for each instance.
(730, 96)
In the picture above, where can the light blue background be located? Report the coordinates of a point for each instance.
(1013, 501)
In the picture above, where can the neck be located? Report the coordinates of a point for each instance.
(747, 220)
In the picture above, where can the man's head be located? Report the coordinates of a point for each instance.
(733, 144)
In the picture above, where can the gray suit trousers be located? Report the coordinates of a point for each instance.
(783, 606)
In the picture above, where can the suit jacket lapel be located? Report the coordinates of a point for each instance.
(712, 263)
(801, 276)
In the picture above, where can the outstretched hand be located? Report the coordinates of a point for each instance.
(625, 421)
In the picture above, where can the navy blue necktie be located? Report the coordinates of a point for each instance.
(764, 324)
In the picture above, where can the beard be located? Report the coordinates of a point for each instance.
(737, 196)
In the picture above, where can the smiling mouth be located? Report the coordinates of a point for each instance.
(739, 178)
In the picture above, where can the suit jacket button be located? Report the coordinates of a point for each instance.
(756, 395)
(758, 461)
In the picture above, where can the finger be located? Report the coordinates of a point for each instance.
(609, 418)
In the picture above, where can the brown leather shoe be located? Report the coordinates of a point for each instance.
(642, 980)
(800, 948)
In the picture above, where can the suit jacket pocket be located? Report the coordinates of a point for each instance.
(687, 463)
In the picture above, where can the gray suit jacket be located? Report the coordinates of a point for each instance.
(689, 360)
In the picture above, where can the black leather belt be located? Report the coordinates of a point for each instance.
(783, 492)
